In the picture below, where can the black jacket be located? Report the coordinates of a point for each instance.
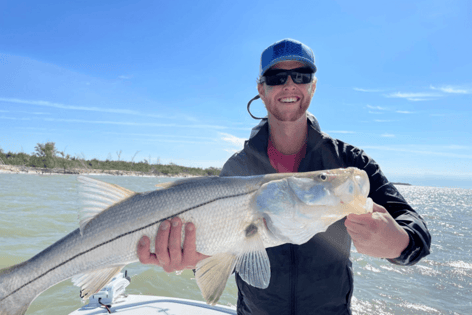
(316, 277)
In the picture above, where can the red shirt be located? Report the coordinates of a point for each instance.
(285, 163)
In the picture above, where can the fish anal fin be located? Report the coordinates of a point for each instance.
(93, 281)
(212, 274)
(253, 265)
(251, 262)
(97, 197)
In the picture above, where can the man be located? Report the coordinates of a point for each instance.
(316, 277)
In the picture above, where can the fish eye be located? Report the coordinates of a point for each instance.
(323, 177)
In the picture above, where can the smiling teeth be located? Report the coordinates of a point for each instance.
(289, 100)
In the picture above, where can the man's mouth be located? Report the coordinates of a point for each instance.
(289, 99)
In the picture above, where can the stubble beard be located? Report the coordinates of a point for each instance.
(289, 116)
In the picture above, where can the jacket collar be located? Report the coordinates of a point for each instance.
(312, 122)
(256, 146)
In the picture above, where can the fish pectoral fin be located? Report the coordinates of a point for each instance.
(253, 265)
(93, 281)
(212, 274)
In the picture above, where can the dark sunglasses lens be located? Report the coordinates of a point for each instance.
(279, 77)
(301, 78)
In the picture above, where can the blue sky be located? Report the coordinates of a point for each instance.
(171, 80)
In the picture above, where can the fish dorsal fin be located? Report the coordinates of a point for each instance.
(98, 196)
(251, 262)
(93, 281)
(179, 182)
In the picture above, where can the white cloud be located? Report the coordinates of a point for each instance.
(232, 151)
(239, 142)
(83, 108)
(159, 136)
(421, 149)
(129, 123)
(377, 107)
(34, 113)
(340, 131)
(173, 141)
(125, 77)
(381, 110)
(415, 96)
(14, 118)
(366, 90)
(383, 120)
(70, 107)
(420, 99)
(387, 135)
(452, 89)
(457, 147)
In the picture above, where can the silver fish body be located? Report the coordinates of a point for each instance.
(236, 218)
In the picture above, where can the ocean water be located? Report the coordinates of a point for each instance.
(36, 211)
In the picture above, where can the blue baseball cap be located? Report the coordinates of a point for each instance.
(286, 49)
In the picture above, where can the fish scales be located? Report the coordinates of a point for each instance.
(230, 225)
(111, 237)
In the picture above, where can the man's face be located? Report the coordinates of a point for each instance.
(290, 101)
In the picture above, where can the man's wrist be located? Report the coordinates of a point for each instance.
(407, 255)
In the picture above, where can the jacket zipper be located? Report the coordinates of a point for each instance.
(293, 282)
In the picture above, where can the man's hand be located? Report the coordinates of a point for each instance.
(169, 253)
(377, 234)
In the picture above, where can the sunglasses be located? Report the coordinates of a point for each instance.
(279, 76)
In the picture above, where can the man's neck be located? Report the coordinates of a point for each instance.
(288, 137)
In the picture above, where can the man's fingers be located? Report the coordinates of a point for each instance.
(189, 251)
(175, 242)
(144, 254)
(169, 253)
(190, 238)
(162, 240)
(359, 218)
(352, 231)
(378, 208)
(366, 217)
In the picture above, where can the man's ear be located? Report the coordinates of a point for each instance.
(261, 90)
(313, 87)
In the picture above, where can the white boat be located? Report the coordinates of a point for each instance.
(112, 299)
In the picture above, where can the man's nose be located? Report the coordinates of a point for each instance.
(289, 84)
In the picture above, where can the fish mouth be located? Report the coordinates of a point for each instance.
(363, 183)
(357, 185)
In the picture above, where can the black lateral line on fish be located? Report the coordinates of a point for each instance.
(122, 235)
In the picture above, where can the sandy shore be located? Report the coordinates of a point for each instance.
(14, 169)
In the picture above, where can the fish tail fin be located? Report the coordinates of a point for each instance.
(13, 301)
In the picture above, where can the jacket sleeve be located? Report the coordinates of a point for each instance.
(385, 194)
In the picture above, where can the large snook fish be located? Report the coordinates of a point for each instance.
(236, 218)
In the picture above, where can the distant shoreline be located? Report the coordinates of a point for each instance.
(15, 169)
